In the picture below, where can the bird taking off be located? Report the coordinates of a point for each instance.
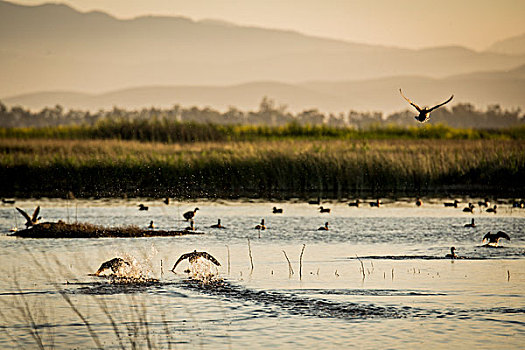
(493, 238)
(424, 113)
(114, 264)
(193, 256)
(30, 221)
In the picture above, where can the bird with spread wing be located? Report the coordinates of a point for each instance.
(30, 221)
(193, 256)
(424, 113)
(493, 238)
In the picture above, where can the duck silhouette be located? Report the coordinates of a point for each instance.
(493, 238)
(452, 254)
(30, 220)
(114, 264)
(261, 226)
(453, 204)
(472, 224)
(424, 113)
(143, 207)
(324, 210)
(190, 214)
(218, 224)
(277, 210)
(492, 210)
(355, 204)
(323, 228)
(194, 256)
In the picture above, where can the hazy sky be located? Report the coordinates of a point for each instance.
(405, 23)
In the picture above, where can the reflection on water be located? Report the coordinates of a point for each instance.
(377, 279)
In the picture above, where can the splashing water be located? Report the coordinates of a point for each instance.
(204, 270)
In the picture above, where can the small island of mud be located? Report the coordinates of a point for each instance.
(83, 230)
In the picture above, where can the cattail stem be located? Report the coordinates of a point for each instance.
(228, 248)
(250, 254)
(301, 263)
(290, 269)
(362, 267)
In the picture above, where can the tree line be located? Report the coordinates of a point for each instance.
(463, 115)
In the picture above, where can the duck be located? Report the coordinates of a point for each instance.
(493, 238)
(277, 210)
(261, 226)
(31, 221)
(191, 227)
(452, 254)
(190, 214)
(167, 201)
(484, 203)
(324, 210)
(114, 264)
(194, 256)
(323, 228)
(151, 225)
(355, 204)
(469, 209)
(453, 204)
(143, 207)
(8, 201)
(419, 202)
(472, 224)
(377, 203)
(492, 210)
(218, 224)
(424, 113)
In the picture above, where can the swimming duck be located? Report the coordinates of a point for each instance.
(484, 203)
(30, 221)
(8, 201)
(190, 214)
(194, 256)
(167, 200)
(323, 228)
(261, 226)
(452, 254)
(218, 224)
(114, 264)
(493, 238)
(191, 227)
(151, 225)
(419, 202)
(472, 224)
(469, 209)
(324, 210)
(424, 113)
(492, 210)
(377, 203)
(454, 204)
(143, 207)
(277, 210)
(354, 204)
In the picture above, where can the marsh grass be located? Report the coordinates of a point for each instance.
(86, 230)
(264, 169)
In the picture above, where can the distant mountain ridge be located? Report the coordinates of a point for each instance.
(510, 46)
(53, 47)
(482, 88)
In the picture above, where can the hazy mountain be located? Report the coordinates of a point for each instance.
(54, 47)
(483, 88)
(510, 46)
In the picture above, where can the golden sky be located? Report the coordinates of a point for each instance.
(405, 23)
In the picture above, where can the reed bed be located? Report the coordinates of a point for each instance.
(264, 169)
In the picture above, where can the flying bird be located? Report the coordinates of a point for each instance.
(493, 238)
(424, 113)
(114, 264)
(194, 256)
(30, 221)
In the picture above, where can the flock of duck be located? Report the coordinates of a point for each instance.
(115, 264)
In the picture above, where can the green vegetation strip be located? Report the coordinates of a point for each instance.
(260, 169)
(168, 131)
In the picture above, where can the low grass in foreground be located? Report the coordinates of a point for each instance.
(265, 169)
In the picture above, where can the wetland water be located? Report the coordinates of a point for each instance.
(410, 295)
